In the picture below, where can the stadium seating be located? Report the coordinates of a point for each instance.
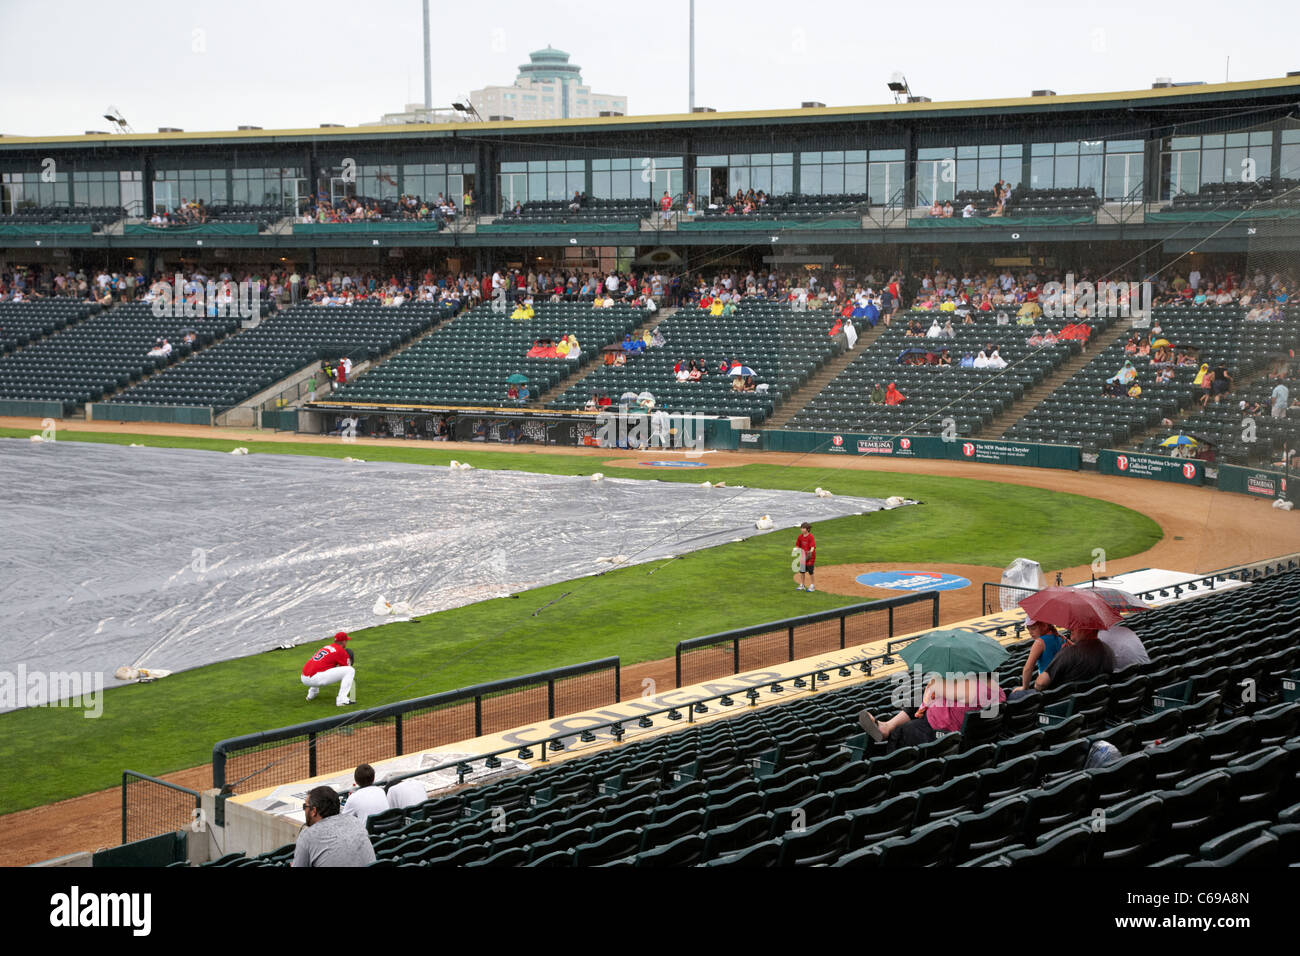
(1276, 194)
(591, 211)
(281, 344)
(782, 346)
(96, 216)
(104, 352)
(1223, 425)
(971, 397)
(797, 207)
(1078, 414)
(1216, 784)
(1026, 201)
(467, 361)
(22, 323)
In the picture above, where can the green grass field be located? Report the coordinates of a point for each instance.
(636, 613)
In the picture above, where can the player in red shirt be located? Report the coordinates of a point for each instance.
(808, 545)
(332, 664)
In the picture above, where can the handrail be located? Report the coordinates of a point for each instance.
(312, 729)
(734, 637)
(1251, 571)
(555, 744)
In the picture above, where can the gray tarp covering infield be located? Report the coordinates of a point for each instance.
(172, 558)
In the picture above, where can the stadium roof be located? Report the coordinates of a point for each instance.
(1210, 93)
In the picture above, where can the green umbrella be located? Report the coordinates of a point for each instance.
(517, 379)
(954, 652)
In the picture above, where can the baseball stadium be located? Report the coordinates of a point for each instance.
(658, 494)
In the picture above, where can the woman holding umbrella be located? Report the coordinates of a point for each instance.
(964, 664)
(1084, 614)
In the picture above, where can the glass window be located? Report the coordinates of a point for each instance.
(1067, 172)
(1011, 169)
(1090, 168)
(1290, 160)
(1040, 172)
(887, 155)
(1212, 165)
(852, 156)
(855, 177)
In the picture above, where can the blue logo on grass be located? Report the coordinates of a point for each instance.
(913, 581)
(676, 464)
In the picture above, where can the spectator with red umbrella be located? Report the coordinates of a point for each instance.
(1084, 614)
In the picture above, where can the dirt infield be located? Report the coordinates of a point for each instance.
(1203, 530)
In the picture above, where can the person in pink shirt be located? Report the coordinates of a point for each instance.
(944, 705)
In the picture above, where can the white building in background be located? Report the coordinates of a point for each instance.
(416, 113)
(548, 87)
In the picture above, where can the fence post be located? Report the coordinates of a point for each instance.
(397, 730)
(311, 754)
(678, 655)
(790, 631)
(124, 806)
(842, 619)
(550, 699)
(891, 620)
(735, 655)
(936, 609)
(618, 681)
(478, 715)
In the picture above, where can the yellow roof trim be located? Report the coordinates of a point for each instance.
(1244, 86)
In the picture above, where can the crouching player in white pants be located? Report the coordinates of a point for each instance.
(332, 664)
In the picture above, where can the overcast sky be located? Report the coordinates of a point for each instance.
(211, 65)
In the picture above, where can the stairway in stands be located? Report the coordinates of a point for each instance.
(542, 401)
(823, 377)
(998, 427)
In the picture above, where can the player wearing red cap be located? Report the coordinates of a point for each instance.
(332, 664)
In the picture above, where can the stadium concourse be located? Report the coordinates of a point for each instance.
(1203, 531)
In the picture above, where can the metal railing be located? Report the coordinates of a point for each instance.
(812, 681)
(334, 744)
(750, 648)
(1252, 571)
(151, 807)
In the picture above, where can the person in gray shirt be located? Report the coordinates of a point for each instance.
(329, 838)
(1280, 396)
